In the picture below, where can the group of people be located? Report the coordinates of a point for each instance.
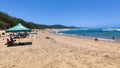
(21, 35)
(12, 38)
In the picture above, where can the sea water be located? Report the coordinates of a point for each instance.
(100, 33)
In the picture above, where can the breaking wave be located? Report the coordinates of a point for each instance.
(111, 29)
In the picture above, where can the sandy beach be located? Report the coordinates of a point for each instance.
(60, 51)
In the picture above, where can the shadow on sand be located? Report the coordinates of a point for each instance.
(21, 44)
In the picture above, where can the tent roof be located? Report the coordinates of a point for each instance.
(18, 28)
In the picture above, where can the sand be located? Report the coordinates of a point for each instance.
(60, 51)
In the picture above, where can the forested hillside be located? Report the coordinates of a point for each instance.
(7, 21)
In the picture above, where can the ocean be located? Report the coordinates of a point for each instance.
(111, 34)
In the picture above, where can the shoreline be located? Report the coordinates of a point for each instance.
(92, 38)
(87, 38)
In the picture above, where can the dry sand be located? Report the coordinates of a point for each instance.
(60, 52)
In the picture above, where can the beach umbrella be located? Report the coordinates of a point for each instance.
(18, 28)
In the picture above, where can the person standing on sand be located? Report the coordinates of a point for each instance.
(96, 39)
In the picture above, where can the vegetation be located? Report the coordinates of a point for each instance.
(7, 21)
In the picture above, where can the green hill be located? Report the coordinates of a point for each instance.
(7, 21)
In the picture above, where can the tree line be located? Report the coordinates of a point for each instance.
(7, 21)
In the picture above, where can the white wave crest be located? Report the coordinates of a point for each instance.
(111, 29)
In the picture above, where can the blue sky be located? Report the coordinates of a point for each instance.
(82, 13)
